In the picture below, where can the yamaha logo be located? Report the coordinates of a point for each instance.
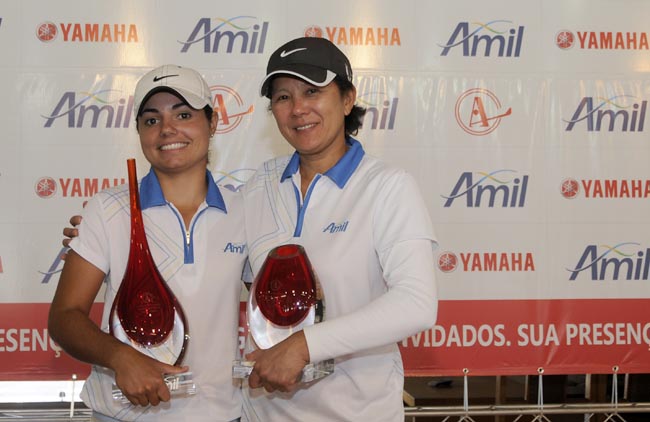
(570, 188)
(447, 262)
(314, 31)
(45, 187)
(46, 31)
(564, 40)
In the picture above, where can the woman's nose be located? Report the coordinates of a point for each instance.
(167, 127)
(299, 106)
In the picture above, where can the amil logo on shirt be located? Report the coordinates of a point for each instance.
(239, 248)
(335, 228)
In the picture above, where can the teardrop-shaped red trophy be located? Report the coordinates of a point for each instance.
(145, 313)
(284, 299)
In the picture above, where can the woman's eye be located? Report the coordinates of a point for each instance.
(185, 115)
(312, 91)
(150, 121)
(280, 98)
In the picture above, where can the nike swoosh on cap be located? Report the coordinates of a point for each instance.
(157, 78)
(285, 53)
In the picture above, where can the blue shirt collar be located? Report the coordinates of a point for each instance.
(151, 194)
(340, 172)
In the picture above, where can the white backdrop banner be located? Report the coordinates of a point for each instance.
(525, 124)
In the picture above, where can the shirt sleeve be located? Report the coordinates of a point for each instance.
(404, 243)
(408, 307)
(92, 243)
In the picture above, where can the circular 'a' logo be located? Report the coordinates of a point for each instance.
(478, 111)
(314, 31)
(45, 187)
(564, 39)
(570, 188)
(230, 108)
(46, 31)
(447, 262)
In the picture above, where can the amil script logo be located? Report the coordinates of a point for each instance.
(499, 183)
(485, 39)
(244, 32)
(104, 107)
(626, 260)
(621, 112)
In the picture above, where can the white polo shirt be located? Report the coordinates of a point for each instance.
(369, 238)
(204, 272)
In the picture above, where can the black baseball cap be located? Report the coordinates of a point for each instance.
(314, 60)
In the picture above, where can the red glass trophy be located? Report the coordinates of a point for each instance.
(284, 299)
(145, 313)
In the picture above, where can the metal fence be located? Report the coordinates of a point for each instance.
(613, 413)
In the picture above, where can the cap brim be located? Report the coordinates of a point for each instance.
(193, 100)
(311, 74)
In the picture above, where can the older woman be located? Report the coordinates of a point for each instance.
(368, 236)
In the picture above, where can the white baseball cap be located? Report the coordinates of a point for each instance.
(186, 82)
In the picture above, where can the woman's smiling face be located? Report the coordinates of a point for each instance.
(173, 135)
(311, 118)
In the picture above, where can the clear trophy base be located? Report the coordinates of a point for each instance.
(311, 372)
(180, 385)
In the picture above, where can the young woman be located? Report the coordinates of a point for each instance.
(189, 222)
